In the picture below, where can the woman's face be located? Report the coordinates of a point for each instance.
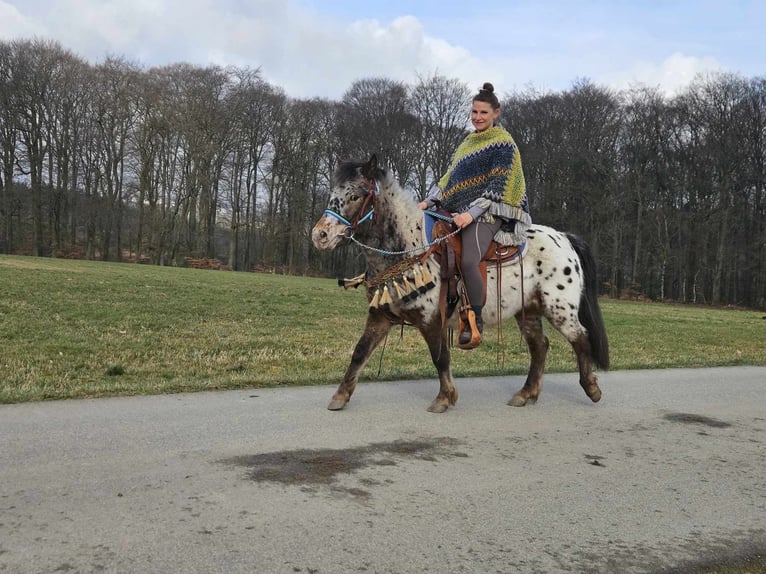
(483, 116)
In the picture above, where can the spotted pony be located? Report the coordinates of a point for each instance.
(368, 206)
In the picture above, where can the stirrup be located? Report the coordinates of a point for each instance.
(468, 318)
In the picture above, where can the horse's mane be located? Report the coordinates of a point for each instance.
(352, 169)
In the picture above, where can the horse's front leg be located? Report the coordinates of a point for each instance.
(532, 330)
(375, 330)
(436, 337)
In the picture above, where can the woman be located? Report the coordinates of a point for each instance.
(485, 190)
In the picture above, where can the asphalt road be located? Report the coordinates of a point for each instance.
(666, 473)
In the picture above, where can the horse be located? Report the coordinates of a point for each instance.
(556, 279)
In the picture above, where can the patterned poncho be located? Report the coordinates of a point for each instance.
(487, 166)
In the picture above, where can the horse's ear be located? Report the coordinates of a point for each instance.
(370, 169)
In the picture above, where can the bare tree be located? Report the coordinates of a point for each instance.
(252, 106)
(9, 115)
(715, 111)
(441, 106)
(750, 279)
(161, 148)
(376, 119)
(646, 150)
(38, 65)
(186, 161)
(114, 109)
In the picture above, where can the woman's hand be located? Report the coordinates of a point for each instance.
(463, 220)
(423, 205)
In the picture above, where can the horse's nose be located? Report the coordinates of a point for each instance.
(319, 237)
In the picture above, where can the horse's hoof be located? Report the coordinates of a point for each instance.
(519, 400)
(594, 394)
(337, 404)
(438, 406)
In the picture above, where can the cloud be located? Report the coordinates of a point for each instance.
(321, 57)
(13, 24)
(671, 75)
(300, 47)
(400, 51)
(301, 51)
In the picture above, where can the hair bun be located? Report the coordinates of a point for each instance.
(487, 87)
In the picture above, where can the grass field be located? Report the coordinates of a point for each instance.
(87, 329)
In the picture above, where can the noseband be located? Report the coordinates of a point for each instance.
(368, 205)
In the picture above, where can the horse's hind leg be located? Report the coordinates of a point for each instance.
(436, 338)
(375, 330)
(588, 379)
(575, 333)
(531, 327)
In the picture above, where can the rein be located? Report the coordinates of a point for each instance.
(416, 249)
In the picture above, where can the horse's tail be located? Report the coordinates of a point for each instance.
(590, 312)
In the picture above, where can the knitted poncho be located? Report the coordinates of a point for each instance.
(487, 165)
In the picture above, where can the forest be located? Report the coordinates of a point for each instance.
(117, 162)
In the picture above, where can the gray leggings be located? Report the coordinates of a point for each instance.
(476, 239)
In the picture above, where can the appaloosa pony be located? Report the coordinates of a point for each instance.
(368, 206)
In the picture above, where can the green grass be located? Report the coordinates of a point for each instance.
(88, 329)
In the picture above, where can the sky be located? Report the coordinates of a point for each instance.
(318, 48)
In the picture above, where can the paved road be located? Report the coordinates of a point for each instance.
(667, 472)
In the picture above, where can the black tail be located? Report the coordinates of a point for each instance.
(590, 312)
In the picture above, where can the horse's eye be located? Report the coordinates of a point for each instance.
(354, 197)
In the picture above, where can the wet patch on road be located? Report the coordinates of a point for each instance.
(745, 553)
(735, 552)
(688, 418)
(325, 466)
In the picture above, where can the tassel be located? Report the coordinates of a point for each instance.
(427, 278)
(385, 299)
(409, 289)
(418, 278)
(375, 299)
(399, 293)
(353, 282)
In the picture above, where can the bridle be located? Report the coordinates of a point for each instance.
(366, 211)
